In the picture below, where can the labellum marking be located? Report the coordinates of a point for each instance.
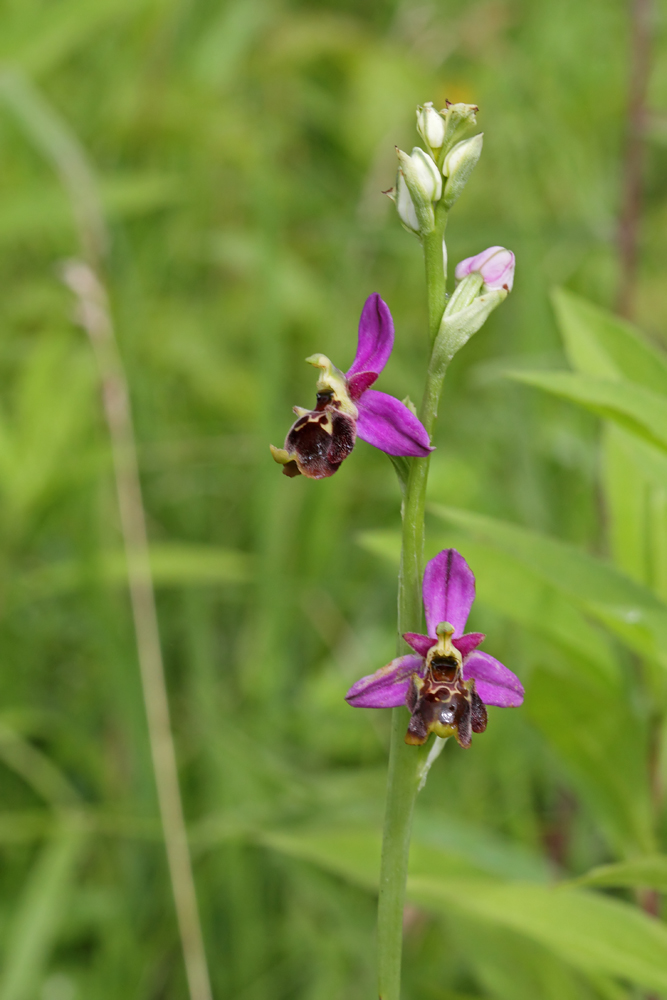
(442, 702)
(320, 439)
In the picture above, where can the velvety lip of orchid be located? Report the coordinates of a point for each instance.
(496, 266)
(347, 408)
(447, 682)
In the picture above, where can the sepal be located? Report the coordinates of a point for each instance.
(465, 293)
(458, 165)
(495, 683)
(389, 425)
(387, 687)
(458, 118)
(456, 329)
(376, 337)
(419, 185)
(431, 126)
(407, 213)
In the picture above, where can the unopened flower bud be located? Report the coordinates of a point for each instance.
(467, 290)
(495, 265)
(404, 205)
(421, 175)
(458, 166)
(431, 126)
(457, 118)
(419, 184)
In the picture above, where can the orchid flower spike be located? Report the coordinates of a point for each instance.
(496, 266)
(348, 408)
(447, 682)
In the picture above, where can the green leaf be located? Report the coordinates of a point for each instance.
(512, 967)
(40, 911)
(648, 872)
(457, 329)
(591, 932)
(475, 845)
(632, 611)
(585, 722)
(45, 427)
(636, 409)
(173, 564)
(452, 848)
(352, 854)
(601, 344)
(626, 494)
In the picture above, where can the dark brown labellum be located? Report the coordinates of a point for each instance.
(446, 707)
(320, 440)
(479, 716)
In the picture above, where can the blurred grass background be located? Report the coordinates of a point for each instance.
(240, 149)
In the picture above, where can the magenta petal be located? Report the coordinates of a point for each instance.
(389, 425)
(468, 642)
(465, 643)
(495, 684)
(376, 337)
(387, 687)
(358, 384)
(420, 643)
(449, 590)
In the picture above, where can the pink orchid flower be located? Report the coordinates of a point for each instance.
(496, 265)
(447, 682)
(347, 408)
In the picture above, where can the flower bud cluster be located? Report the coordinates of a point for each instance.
(437, 176)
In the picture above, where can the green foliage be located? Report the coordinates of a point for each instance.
(240, 148)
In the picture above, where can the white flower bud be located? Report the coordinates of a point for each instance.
(430, 126)
(459, 164)
(404, 205)
(421, 174)
(458, 118)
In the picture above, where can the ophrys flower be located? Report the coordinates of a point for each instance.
(347, 408)
(447, 682)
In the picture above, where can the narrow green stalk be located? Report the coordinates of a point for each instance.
(436, 279)
(406, 762)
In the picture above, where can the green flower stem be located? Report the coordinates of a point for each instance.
(436, 279)
(406, 762)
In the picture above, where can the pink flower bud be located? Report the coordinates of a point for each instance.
(496, 265)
